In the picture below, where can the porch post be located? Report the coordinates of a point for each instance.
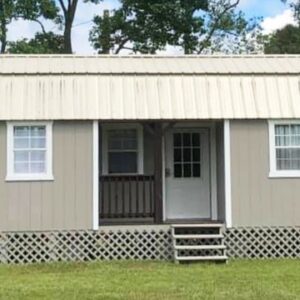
(227, 173)
(95, 175)
(158, 172)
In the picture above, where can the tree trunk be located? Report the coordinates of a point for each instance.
(3, 29)
(69, 14)
(67, 37)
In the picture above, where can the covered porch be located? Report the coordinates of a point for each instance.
(161, 172)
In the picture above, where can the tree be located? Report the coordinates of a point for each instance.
(68, 8)
(283, 41)
(195, 26)
(31, 10)
(42, 43)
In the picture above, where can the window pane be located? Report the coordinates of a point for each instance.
(177, 155)
(21, 156)
(196, 155)
(186, 139)
(37, 167)
(295, 140)
(21, 143)
(38, 156)
(282, 129)
(21, 131)
(115, 144)
(130, 144)
(122, 162)
(282, 140)
(21, 167)
(196, 170)
(177, 171)
(38, 131)
(38, 143)
(196, 139)
(288, 159)
(187, 170)
(187, 154)
(122, 139)
(295, 129)
(177, 139)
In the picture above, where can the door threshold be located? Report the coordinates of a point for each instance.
(192, 221)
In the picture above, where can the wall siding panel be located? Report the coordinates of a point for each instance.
(258, 200)
(66, 202)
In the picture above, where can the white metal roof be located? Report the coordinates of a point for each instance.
(135, 87)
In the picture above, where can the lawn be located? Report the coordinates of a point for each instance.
(255, 280)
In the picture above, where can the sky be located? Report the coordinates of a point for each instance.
(275, 16)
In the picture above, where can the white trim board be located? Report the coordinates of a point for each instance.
(10, 173)
(274, 173)
(227, 174)
(140, 149)
(95, 175)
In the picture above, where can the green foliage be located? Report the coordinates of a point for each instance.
(26, 9)
(283, 41)
(42, 43)
(195, 26)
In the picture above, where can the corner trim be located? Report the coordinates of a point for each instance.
(95, 175)
(227, 163)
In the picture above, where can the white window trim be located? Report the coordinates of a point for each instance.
(274, 173)
(11, 175)
(140, 148)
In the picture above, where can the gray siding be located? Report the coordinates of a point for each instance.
(258, 200)
(66, 202)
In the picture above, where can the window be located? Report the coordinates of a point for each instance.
(29, 151)
(122, 149)
(284, 149)
(187, 154)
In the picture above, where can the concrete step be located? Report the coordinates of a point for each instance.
(201, 258)
(199, 247)
(198, 236)
(213, 225)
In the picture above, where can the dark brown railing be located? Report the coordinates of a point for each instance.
(128, 196)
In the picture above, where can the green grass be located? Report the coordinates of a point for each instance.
(255, 280)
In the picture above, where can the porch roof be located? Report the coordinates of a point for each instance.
(149, 87)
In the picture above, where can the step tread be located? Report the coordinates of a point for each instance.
(199, 247)
(213, 225)
(211, 258)
(198, 236)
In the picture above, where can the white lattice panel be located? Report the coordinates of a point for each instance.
(262, 242)
(29, 247)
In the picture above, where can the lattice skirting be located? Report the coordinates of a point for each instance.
(148, 242)
(139, 242)
(262, 242)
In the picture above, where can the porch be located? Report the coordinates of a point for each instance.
(161, 172)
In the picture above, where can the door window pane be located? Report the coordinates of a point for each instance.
(186, 159)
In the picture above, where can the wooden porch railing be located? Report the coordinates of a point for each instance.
(126, 196)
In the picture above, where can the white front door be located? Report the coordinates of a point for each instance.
(188, 174)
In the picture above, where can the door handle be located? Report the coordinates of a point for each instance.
(167, 172)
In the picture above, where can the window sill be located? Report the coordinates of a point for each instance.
(285, 174)
(41, 177)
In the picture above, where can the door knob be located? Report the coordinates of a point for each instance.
(167, 172)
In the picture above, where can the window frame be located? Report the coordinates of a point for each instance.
(274, 173)
(140, 147)
(45, 176)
